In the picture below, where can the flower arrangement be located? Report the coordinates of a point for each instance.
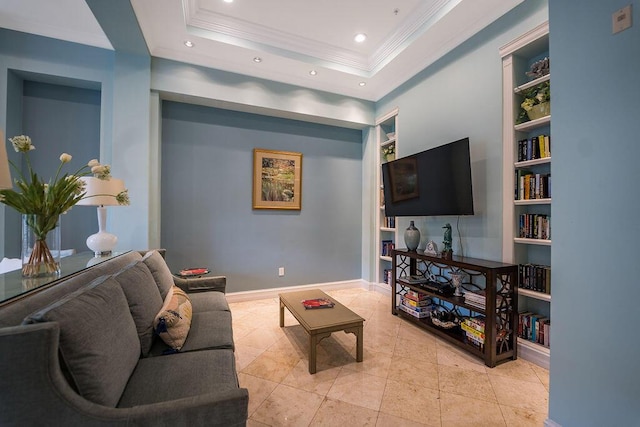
(538, 94)
(45, 201)
(388, 150)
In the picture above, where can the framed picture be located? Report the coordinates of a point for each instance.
(277, 179)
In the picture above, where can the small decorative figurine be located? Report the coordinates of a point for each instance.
(447, 251)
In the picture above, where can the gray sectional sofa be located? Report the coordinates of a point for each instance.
(85, 352)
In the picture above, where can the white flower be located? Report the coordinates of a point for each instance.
(22, 143)
(123, 198)
(93, 162)
(65, 158)
(102, 172)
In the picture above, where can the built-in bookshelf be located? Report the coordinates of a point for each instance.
(527, 192)
(386, 130)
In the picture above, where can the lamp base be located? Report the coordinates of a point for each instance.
(102, 243)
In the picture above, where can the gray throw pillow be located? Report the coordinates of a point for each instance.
(144, 300)
(98, 339)
(160, 272)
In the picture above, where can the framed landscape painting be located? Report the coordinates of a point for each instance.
(277, 179)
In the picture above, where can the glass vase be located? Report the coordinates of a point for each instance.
(40, 249)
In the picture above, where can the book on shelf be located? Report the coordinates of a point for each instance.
(534, 226)
(414, 279)
(475, 298)
(414, 313)
(535, 277)
(531, 186)
(413, 303)
(387, 247)
(533, 148)
(416, 296)
(534, 327)
(415, 306)
(317, 303)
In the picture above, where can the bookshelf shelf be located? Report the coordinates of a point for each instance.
(534, 294)
(386, 231)
(495, 280)
(517, 58)
(532, 202)
(533, 124)
(541, 242)
(529, 163)
(532, 83)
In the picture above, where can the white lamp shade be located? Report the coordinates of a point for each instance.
(5, 175)
(101, 192)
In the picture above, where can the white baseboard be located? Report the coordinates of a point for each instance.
(534, 354)
(273, 292)
(550, 423)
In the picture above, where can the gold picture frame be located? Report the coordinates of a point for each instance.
(277, 179)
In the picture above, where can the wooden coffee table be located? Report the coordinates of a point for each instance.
(319, 323)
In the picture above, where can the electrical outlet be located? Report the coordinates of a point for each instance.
(621, 19)
(281, 271)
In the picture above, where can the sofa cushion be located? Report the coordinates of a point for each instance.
(180, 376)
(160, 271)
(173, 321)
(209, 330)
(208, 301)
(98, 339)
(144, 300)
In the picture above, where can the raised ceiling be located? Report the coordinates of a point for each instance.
(291, 37)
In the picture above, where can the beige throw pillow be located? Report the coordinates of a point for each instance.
(173, 321)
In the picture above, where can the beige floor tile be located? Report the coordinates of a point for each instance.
(517, 369)
(288, 406)
(456, 357)
(409, 331)
(373, 363)
(518, 417)
(519, 393)
(245, 355)
(380, 343)
(411, 402)
(382, 327)
(386, 420)
(465, 382)
(406, 370)
(461, 411)
(337, 413)
(318, 383)
(542, 374)
(421, 350)
(253, 423)
(358, 388)
(259, 338)
(259, 389)
(272, 366)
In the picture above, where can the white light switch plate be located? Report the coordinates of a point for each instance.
(621, 19)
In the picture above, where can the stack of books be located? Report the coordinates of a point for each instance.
(534, 327)
(474, 330)
(475, 299)
(415, 304)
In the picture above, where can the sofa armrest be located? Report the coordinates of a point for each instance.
(38, 389)
(202, 284)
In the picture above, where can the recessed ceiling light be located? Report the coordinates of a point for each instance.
(257, 59)
(313, 72)
(228, 1)
(189, 43)
(360, 37)
(362, 83)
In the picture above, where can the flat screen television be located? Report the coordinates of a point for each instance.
(433, 182)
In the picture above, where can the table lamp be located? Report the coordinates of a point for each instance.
(5, 176)
(101, 193)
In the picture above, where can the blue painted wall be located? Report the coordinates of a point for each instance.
(63, 119)
(460, 96)
(207, 215)
(595, 380)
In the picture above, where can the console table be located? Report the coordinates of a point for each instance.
(498, 282)
(13, 286)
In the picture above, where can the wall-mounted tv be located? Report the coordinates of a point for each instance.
(430, 183)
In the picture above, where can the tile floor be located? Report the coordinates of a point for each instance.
(408, 376)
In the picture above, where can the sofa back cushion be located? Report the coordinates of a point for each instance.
(144, 300)
(160, 271)
(98, 339)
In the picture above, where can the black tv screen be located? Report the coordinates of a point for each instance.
(430, 183)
